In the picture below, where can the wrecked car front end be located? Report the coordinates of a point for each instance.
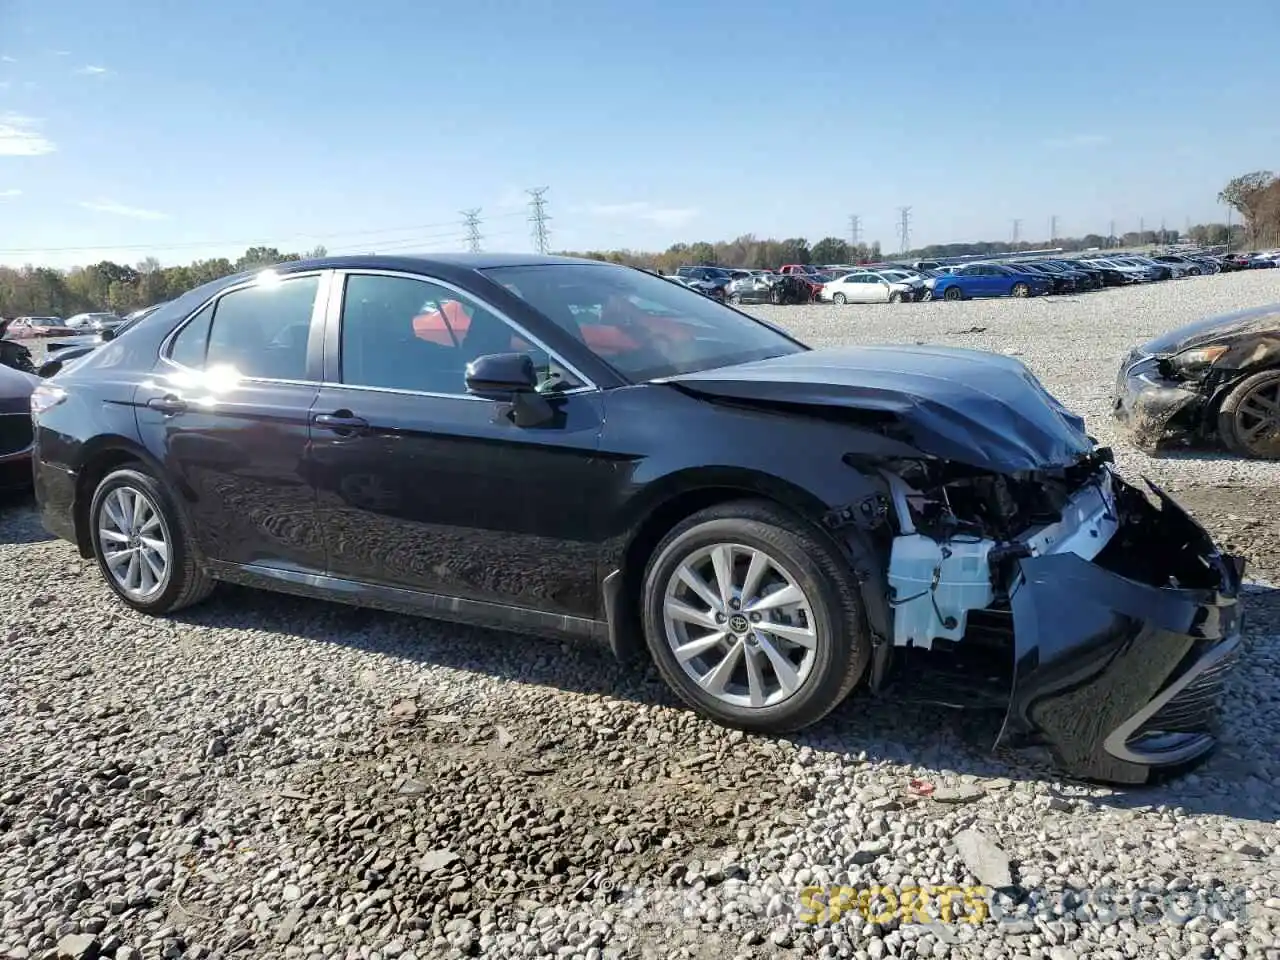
(1108, 619)
(1169, 389)
(1018, 570)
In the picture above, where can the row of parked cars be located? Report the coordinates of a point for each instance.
(63, 340)
(905, 282)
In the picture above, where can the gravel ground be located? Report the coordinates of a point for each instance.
(265, 776)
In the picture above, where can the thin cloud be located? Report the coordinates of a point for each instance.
(19, 137)
(122, 210)
(1079, 140)
(7, 59)
(4, 84)
(62, 53)
(10, 194)
(640, 210)
(92, 71)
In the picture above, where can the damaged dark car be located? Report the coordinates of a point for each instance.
(567, 448)
(1216, 380)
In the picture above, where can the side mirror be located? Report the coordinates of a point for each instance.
(501, 374)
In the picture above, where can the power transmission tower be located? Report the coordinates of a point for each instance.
(539, 218)
(855, 229)
(473, 229)
(1162, 233)
(1111, 234)
(904, 229)
(1053, 229)
(1017, 230)
(1142, 230)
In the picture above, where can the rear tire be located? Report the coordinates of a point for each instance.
(149, 542)
(1249, 418)
(746, 667)
(840, 298)
(895, 298)
(953, 293)
(735, 298)
(1021, 290)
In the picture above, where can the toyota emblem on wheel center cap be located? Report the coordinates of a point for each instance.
(738, 623)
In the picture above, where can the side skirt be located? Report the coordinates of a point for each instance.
(478, 613)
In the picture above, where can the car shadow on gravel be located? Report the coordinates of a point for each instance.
(943, 743)
(20, 520)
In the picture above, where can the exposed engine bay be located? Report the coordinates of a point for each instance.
(959, 532)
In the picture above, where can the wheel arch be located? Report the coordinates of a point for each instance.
(1265, 362)
(100, 457)
(686, 494)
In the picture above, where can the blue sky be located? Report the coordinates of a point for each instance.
(192, 129)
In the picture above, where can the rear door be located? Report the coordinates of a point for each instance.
(228, 414)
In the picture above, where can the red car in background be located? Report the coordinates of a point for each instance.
(447, 324)
(36, 327)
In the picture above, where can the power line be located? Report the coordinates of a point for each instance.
(539, 218)
(260, 241)
(473, 229)
(904, 229)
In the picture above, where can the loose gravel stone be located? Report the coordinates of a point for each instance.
(264, 776)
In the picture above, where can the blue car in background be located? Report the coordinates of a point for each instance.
(989, 280)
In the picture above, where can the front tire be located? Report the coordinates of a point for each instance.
(753, 618)
(1021, 290)
(953, 293)
(1249, 418)
(143, 544)
(896, 298)
(840, 298)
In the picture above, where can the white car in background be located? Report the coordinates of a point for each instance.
(873, 286)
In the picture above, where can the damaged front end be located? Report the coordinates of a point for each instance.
(1107, 618)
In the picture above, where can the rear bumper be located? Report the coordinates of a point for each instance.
(1117, 676)
(56, 498)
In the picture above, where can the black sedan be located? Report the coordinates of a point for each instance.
(1214, 379)
(570, 448)
(15, 428)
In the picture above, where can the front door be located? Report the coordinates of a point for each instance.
(425, 487)
(228, 412)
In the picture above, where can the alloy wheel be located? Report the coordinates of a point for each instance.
(1258, 419)
(739, 625)
(135, 543)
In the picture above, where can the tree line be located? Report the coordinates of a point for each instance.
(111, 286)
(1256, 197)
(108, 286)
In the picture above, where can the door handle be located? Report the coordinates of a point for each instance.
(341, 422)
(168, 404)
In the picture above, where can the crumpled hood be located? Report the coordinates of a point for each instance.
(983, 409)
(1215, 330)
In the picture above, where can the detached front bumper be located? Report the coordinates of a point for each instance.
(1153, 407)
(1118, 661)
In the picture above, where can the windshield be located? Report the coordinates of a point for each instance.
(641, 325)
